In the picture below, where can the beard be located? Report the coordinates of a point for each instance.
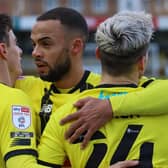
(59, 70)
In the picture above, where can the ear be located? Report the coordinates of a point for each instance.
(97, 53)
(3, 50)
(77, 46)
(142, 65)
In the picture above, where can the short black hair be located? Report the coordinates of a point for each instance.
(68, 17)
(5, 27)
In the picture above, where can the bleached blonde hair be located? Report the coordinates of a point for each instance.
(124, 33)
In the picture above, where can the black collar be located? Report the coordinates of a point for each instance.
(78, 86)
(132, 85)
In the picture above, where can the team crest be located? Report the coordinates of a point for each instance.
(21, 117)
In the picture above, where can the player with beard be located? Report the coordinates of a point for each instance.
(59, 38)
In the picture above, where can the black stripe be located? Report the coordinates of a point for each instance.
(82, 84)
(48, 164)
(20, 152)
(95, 136)
(44, 117)
(20, 142)
(146, 83)
(126, 143)
(97, 155)
(146, 153)
(45, 101)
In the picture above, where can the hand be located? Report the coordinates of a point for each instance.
(93, 113)
(125, 164)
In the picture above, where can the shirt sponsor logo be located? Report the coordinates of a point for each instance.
(47, 108)
(21, 117)
(102, 94)
(21, 134)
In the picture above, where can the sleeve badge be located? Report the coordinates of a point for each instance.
(21, 117)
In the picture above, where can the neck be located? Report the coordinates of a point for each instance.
(122, 79)
(13, 79)
(71, 79)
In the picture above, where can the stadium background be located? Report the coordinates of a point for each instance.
(24, 13)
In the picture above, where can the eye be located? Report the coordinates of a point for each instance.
(45, 43)
(33, 44)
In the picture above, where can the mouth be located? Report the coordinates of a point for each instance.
(40, 63)
(41, 66)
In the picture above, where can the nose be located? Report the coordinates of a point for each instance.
(36, 52)
(20, 51)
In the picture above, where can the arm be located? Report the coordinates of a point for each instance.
(26, 161)
(149, 101)
(152, 100)
(18, 140)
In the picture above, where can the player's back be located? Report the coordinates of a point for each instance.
(142, 138)
(126, 137)
(139, 138)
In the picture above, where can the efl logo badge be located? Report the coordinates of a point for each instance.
(21, 117)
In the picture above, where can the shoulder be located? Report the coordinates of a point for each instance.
(12, 98)
(145, 81)
(93, 78)
(12, 94)
(94, 75)
(30, 82)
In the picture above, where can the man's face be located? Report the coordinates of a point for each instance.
(51, 50)
(14, 56)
